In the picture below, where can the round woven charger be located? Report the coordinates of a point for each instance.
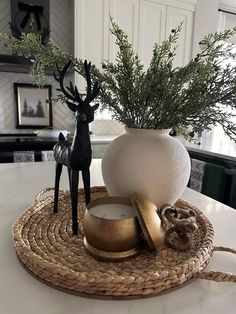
(45, 245)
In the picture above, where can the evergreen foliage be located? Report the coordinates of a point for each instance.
(194, 97)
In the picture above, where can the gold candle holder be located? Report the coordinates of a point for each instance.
(111, 229)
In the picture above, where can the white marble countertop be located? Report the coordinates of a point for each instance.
(102, 139)
(212, 144)
(21, 293)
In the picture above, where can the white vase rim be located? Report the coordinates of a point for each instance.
(133, 131)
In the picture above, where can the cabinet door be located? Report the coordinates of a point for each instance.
(98, 150)
(151, 28)
(91, 23)
(174, 17)
(126, 14)
(91, 33)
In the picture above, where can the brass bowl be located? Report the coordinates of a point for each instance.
(111, 238)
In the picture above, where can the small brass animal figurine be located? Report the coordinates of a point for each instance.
(76, 156)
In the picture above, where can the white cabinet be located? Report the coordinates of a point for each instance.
(126, 14)
(99, 150)
(152, 25)
(145, 21)
(91, 29)
(157, 19)
(174, 17)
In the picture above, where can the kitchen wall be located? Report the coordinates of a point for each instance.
(62, 33)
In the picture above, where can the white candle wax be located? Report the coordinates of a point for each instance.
(113, 211)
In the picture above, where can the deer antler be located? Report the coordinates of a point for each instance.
(90, 94)
(74, 94)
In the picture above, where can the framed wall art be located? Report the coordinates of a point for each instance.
(33, 106)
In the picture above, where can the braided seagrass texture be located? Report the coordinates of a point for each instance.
(44, 244)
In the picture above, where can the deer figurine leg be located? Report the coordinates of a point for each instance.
(69, 177)
(57, 181)
(86, 181)
(74, 181)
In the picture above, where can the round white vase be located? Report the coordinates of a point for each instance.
(146, 161)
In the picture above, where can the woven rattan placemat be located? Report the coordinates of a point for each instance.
(44, 244)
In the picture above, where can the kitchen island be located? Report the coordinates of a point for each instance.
(21, 293)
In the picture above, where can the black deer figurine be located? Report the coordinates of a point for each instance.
(76, 156)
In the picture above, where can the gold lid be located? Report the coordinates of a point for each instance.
(149, 220)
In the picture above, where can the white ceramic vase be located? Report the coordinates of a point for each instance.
(149, 162)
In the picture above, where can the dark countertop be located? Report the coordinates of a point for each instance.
(12, 143)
